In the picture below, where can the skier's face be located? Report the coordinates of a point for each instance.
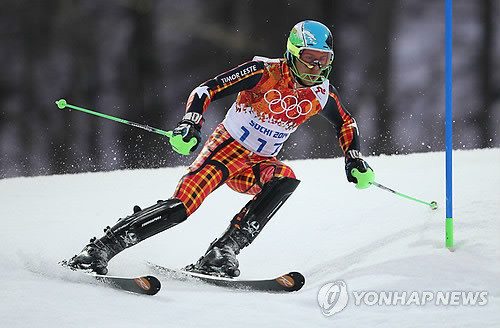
(303, 69)
(315, 58)
(312, 63)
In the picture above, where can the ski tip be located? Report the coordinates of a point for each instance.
(149, 284)
(292, 281)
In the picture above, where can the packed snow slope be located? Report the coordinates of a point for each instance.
(328, 230)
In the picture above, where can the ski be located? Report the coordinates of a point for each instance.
(290, 282)
(144, 285)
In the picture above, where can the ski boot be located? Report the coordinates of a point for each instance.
(220, 258)
(95, 256)
(127, 232)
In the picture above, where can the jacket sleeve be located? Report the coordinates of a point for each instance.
(244, 77)
(345, 125)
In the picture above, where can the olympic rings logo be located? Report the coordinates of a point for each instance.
(287, 108)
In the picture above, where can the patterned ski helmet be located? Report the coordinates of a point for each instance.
(309, 35)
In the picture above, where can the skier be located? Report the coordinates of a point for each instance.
(274, 96)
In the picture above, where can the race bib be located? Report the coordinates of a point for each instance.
(263, 138)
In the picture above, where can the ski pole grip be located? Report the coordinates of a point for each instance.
(365, 179)
(179, 145)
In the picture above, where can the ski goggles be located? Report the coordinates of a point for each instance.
(311, 58)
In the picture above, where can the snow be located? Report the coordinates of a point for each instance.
(328, 230)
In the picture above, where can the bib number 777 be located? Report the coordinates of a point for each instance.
(263, 143)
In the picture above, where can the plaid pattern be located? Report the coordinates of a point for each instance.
(224, 160)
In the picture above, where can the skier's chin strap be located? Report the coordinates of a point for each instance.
(302, 83)
(250, 221)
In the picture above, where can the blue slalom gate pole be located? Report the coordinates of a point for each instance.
(449, 121)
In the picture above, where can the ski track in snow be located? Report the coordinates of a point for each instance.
(328, 230)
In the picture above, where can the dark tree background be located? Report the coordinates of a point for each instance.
(140, 59)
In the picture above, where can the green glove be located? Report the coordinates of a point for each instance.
(179, 145)
(365, 179)
(186, 136)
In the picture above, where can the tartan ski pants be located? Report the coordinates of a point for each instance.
(224, 160)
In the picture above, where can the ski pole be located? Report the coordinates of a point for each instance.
(61, 103)
(433, 205)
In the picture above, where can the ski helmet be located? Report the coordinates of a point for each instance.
(314, 36)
